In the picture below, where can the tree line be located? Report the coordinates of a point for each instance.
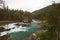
(14, 15)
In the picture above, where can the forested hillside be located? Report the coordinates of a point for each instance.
(51, 28)
(44, 12)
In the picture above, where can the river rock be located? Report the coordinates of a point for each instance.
(32, 37)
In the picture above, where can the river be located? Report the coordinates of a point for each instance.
(19, 32)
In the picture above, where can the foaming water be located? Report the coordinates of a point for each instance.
(13, 28)
(17, 29)
(3, 33)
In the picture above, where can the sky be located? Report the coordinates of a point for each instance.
(29, 5)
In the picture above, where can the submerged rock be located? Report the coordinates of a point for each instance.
(2, 29)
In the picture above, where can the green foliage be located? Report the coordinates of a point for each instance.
(14, 15)
(52, 24)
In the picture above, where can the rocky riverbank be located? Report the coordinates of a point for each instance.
(31, 37)
(5, 37)
(34, 36)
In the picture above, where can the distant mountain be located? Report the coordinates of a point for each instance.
(57, 6)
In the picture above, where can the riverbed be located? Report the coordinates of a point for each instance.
(20, 32)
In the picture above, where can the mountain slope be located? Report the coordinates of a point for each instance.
(48, 8)
(42, 13)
